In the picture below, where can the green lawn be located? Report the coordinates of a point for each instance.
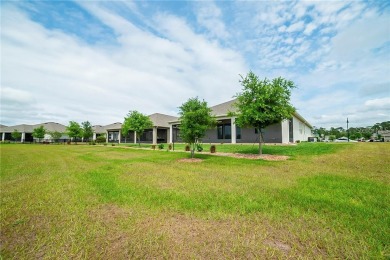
(104, 202)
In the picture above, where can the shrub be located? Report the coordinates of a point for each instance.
(112, 144)
(161, 146)
(105, 144)
(213, 148)
(187, 148)
(199, 147)
(153, 146)
(170, 147)
(101, 139)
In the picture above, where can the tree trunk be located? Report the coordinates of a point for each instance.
(260, 142)
(193, 150)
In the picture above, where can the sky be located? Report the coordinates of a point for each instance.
(97, 60)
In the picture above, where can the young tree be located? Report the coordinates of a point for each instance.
(74, 130)
(87, 131)
(39, 133)
(16, 135)
(137, 122)
(263, 102)
(195, 119)
(55, 135)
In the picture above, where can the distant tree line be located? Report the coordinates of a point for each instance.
(354, 132)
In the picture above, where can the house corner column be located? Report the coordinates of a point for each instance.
(23, 137)
(233, 128)
(106, 136)
(3, 137)
(155, 135)
(94, 136)
(119, 137)
(135, 137)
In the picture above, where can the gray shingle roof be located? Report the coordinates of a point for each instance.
(224, 108)
(161, 119)
(49, 126)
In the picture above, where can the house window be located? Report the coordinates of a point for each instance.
(220, 131)
(225, 131)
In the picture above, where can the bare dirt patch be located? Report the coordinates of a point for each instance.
(267, 157)
(190, 160)
(188, 237)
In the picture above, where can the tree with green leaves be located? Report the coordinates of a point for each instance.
(16, 135)
(137, 122)
(87, 131)
(195, 120)
(74, 130)
(263, 103)
(39, 133)
(55, 135)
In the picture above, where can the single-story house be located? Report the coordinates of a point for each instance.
(385, 135)
(166, 130)
(288, 131)
(27, 130)
(158, 134)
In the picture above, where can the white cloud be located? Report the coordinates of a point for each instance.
(15, 95)
(298, 26)
(379, 103)
(210, 16)
(77, 81)
(309, 28)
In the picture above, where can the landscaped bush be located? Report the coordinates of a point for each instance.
(153, 146)
(170, 147)
(187, 148)
(199, 147)
(213, 148)
(161, 146)
(101, 139)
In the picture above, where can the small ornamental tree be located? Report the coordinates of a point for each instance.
(55, 135)
(16, 135)
(263, 102)
(137, 122)
(39, 133)
(87, 131)
(195, 119)
(74, 130)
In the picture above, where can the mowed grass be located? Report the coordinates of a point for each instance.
(79, 201)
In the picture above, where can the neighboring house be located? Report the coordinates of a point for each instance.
(288, 131)
(27, 130)
(158, 134)
(385, 134)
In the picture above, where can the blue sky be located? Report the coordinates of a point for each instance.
(96, 60)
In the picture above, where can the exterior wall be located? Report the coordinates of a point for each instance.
(272, 134)
(300, 130)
